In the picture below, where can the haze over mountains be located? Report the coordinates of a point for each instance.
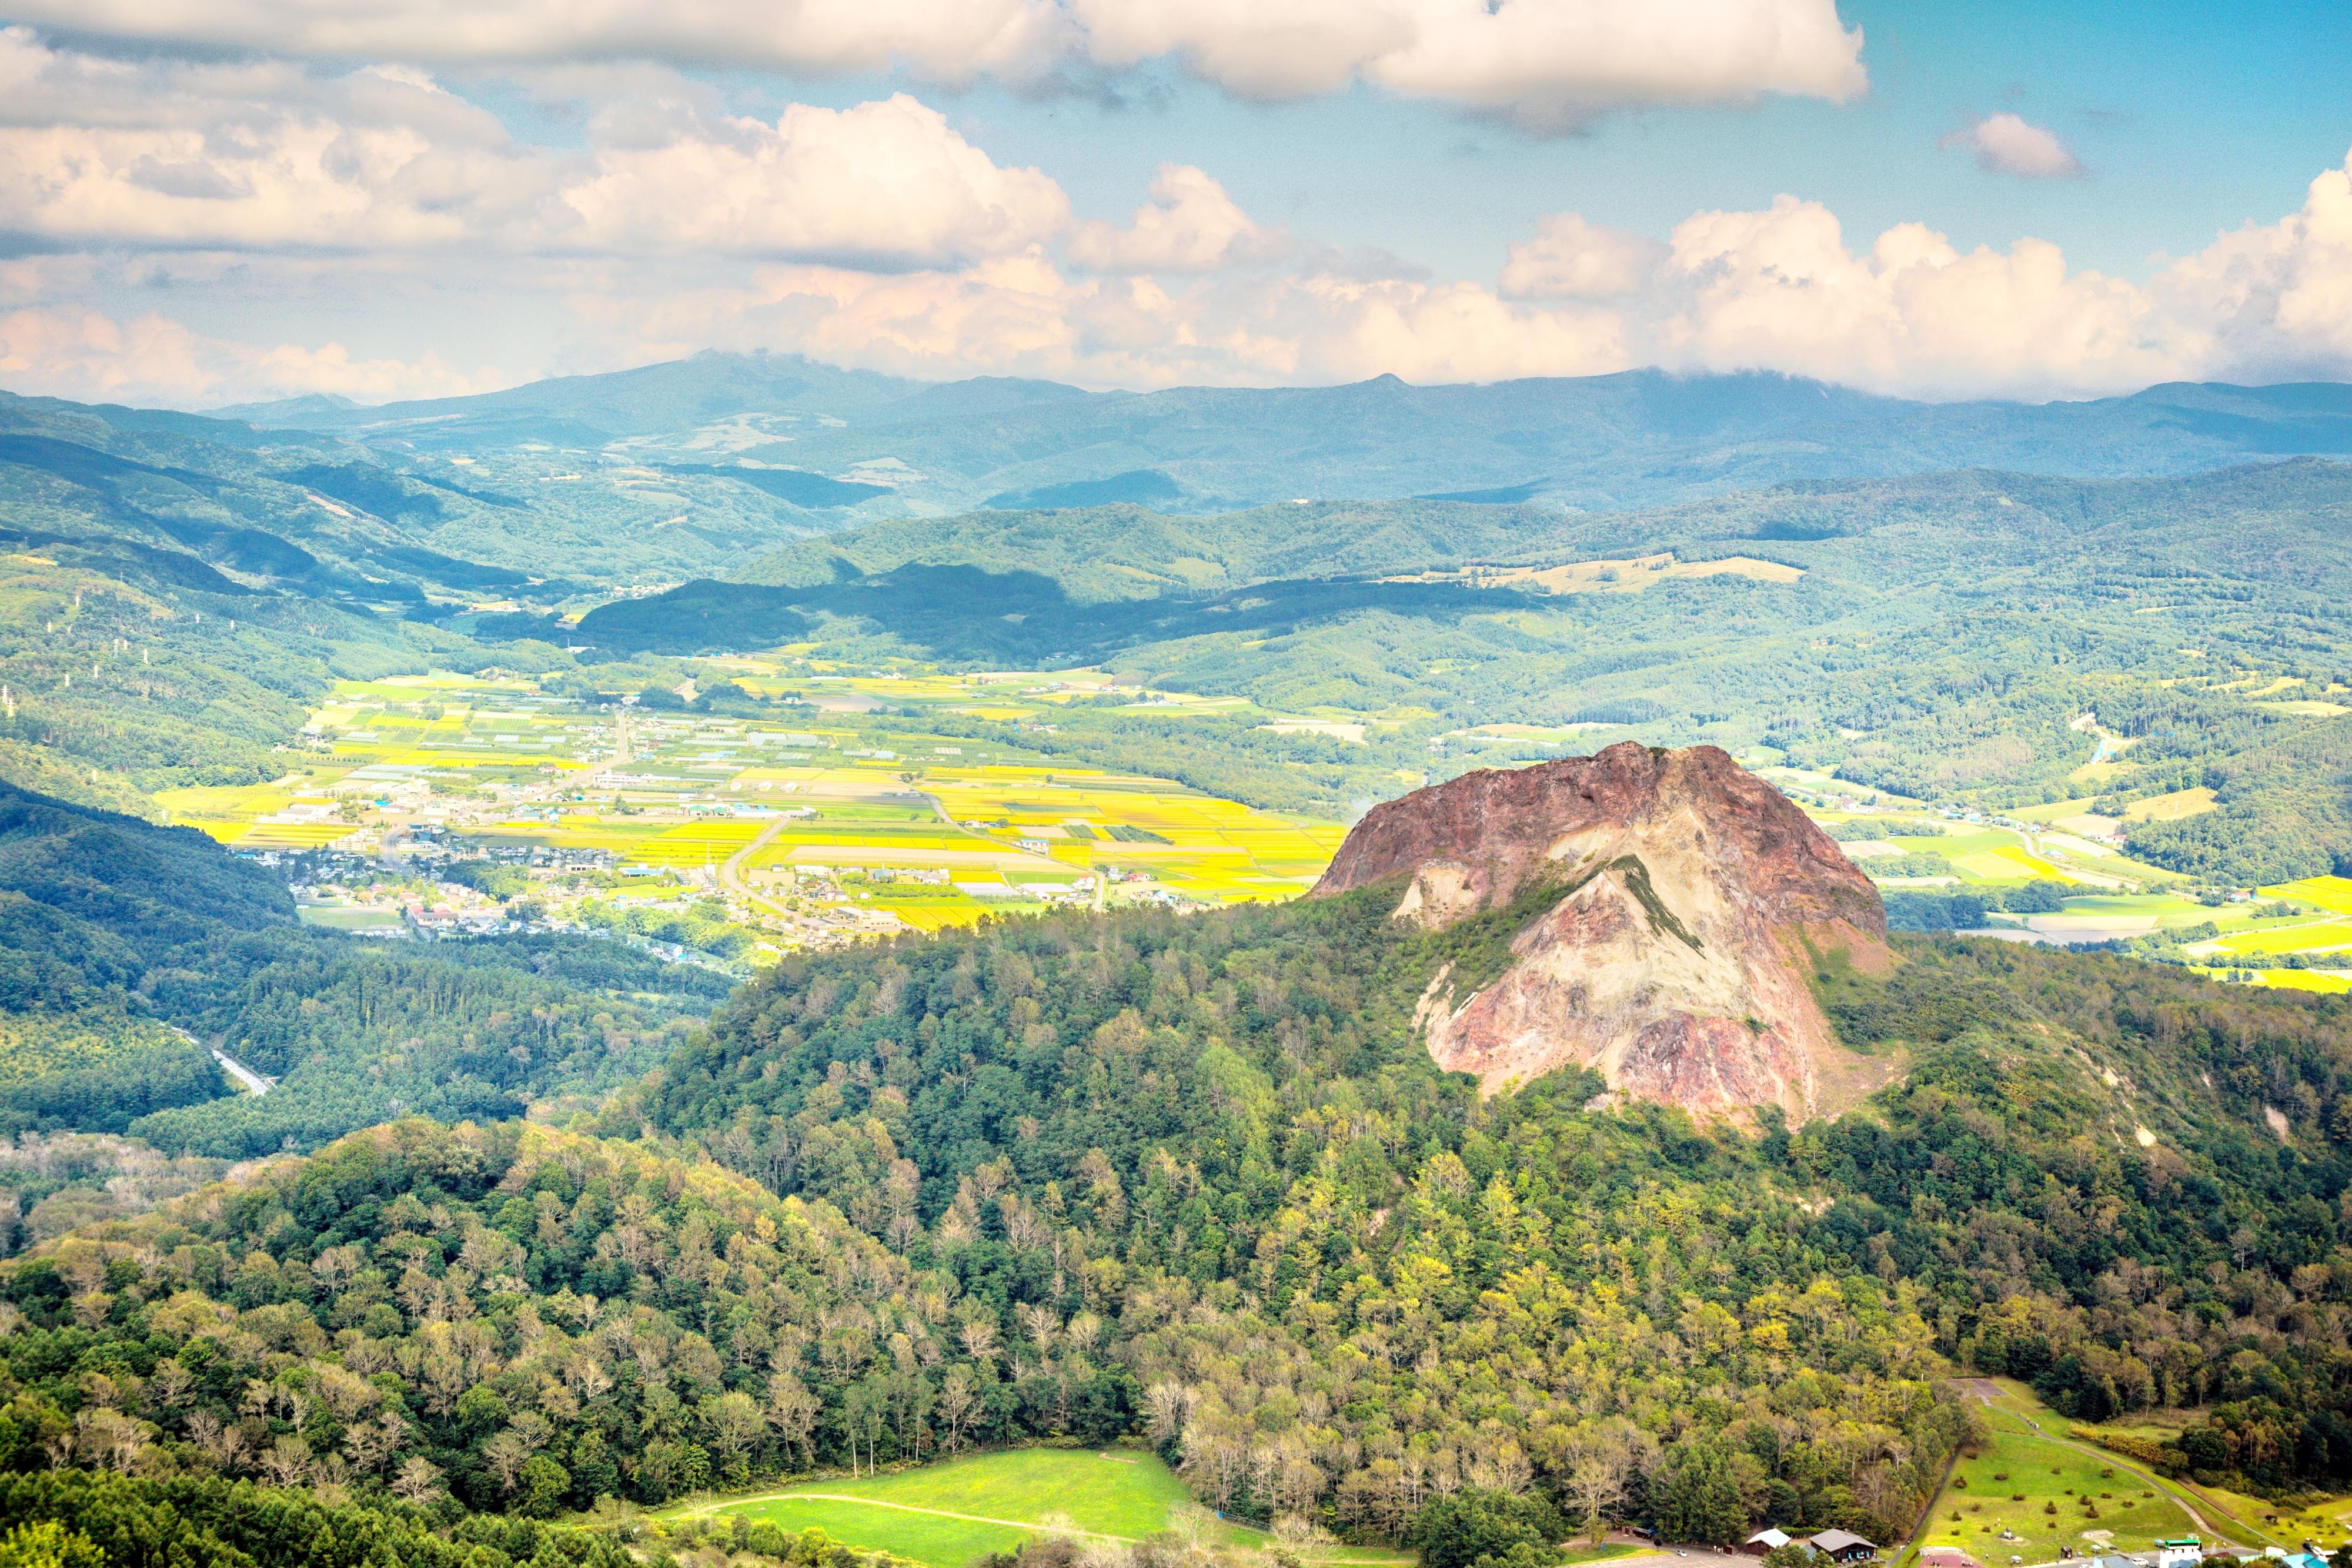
(1640, 438)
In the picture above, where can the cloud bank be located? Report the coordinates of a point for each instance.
(881, 236)
(1547, 65)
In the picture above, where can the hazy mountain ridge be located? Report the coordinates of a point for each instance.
(1637, 438)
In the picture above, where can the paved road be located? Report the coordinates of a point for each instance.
(256, 1082)
(245, 1075)
(730, 870)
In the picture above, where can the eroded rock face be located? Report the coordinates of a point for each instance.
(1692, 900)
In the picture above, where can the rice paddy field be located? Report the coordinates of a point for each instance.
(948, 1515)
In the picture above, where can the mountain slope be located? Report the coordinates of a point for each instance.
(1938, 636)
(1199, 1179)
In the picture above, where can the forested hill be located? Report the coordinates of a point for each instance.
(1196, 1179)
(2075, 1182)
(2270, 519)
(128, 951)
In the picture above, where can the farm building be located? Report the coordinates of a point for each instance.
(1842, 1546)
(2185, 1552)
(1947, 1557)
(1763, 1541)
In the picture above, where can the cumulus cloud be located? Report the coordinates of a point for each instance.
(91, 356)
(1547, 65)
(1778, 289)
(879, 235)
(192, 156)
(2009, 144)
(197, 154)
(1190, 224)
(885, 185)
(1021, 41)
(1024, 315)
(1571, 259)
(2272, 301)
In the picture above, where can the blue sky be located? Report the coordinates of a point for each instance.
(261, 198)
(2191, 118)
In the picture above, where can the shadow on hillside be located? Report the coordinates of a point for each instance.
(962, 611)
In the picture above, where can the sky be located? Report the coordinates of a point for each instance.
(208, 202)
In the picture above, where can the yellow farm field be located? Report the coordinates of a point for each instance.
(2171, 808)
(2292, 936)
(691, 844)
(2333, 893)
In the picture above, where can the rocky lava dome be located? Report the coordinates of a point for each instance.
(1677, 906)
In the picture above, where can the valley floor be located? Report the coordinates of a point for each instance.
(852, 802)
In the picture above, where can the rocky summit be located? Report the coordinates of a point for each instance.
(1676, 906)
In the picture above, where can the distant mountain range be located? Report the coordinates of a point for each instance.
(1636, 439)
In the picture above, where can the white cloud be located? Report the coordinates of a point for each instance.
(885, 185)
(1553, 64)
(194, 155)
(879, 235)
(88, 356)
(2008, 144)
(1571, 259)
(174, 156)
(2274, 302)
(1778, 289)
(1547, 65)
(1190, 224)
(1020, 41)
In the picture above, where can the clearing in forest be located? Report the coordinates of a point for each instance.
(948, 1515)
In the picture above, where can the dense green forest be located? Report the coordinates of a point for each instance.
(91, 1518)
(1196, 1178)
(1237, 1098)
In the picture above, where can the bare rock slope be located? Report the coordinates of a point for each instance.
(1676, 905)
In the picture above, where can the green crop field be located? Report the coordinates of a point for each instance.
(948, 1515)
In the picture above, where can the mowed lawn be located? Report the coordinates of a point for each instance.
(1123, 1495)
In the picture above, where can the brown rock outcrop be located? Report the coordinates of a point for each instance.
(1673, 898)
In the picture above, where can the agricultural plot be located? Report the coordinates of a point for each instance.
(807, 827)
